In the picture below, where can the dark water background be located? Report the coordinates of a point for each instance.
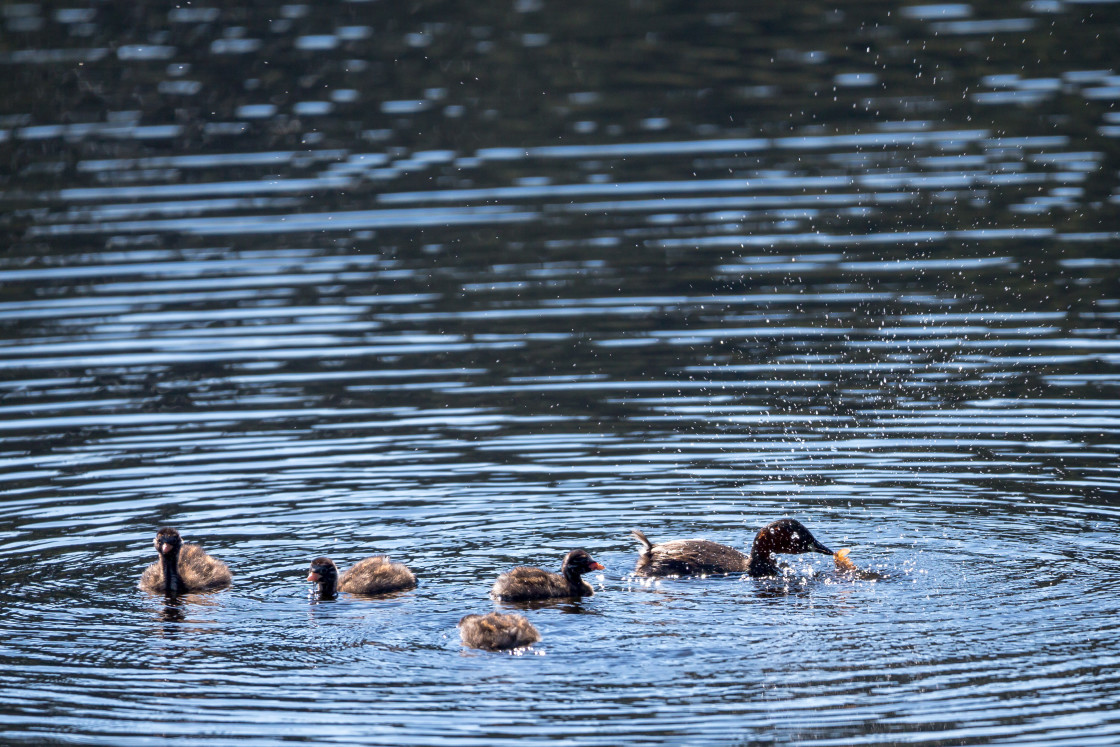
(474, 284)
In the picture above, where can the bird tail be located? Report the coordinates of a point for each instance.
(639, 535)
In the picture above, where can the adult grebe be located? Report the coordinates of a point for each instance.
(694, 557)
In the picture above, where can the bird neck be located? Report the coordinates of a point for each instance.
(172, 583)
(328, 587)
(759, 566)
(573, 576)
(761, 562)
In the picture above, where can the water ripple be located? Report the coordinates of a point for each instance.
(475, 291)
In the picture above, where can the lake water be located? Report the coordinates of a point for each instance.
(474, 286)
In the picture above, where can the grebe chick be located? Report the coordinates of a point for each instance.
(497, 632)
(701, 557)
(182, 568)
(522, 583)
(374, 575)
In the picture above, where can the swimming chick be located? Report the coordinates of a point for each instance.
(374, 575)
(694, 557)
(182, 567)
(524, 583)
(497, 632)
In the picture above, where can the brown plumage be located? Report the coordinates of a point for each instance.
(374, 575)
(694, 557)
(182, 568)
(524, 583)
(497, 632)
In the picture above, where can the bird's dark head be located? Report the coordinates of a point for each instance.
(789, 536)
(579, 562)
(323, 570)
(168, 541)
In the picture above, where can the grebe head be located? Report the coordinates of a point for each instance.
(579, 562)
(168, 541)
(790, 536)
(323, 570)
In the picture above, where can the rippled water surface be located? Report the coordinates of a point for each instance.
(474, 286)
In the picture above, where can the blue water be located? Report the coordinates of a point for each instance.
(476, 286)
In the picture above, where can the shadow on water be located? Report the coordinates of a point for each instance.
(562, 606)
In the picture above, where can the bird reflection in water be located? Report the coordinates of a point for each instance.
(173, 612)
